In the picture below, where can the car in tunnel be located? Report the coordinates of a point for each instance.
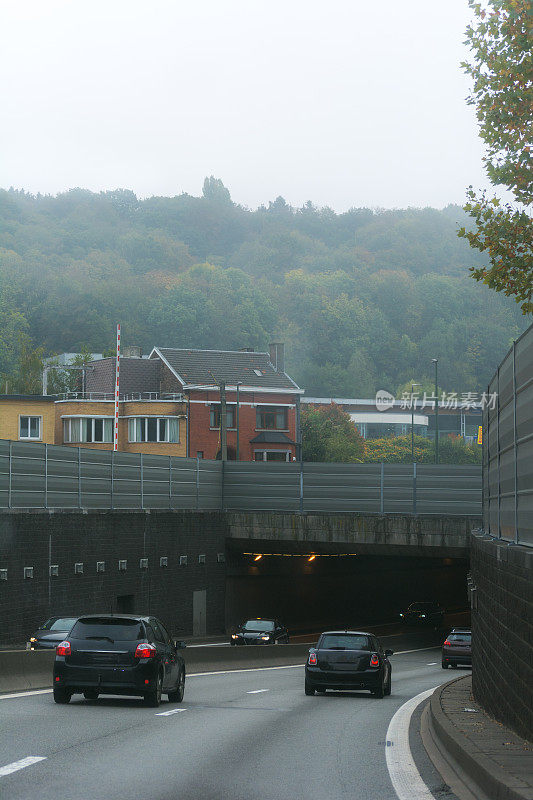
(51, 632)
(348, 660)
(260, 631)
(119, 654)
(457, 648)
(423, 614)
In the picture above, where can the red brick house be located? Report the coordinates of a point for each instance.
(265, 424)
(262, 401)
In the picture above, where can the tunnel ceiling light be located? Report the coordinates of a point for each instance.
(258, 557)
(311, 558)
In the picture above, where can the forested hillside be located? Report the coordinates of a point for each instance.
(362, 299)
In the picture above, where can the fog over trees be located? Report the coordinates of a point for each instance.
(362, 299)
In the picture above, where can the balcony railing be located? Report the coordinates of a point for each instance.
(127, 397)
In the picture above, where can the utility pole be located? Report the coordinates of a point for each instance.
(238, 385)
(436, 362)
(413, 402)
(223, 423)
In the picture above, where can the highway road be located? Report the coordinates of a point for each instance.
(244, 735)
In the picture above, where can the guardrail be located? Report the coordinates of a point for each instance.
(508, 447)
(53, 476)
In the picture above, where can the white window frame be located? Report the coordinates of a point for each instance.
(67, 422)
(264, 452)
(144, 421)
(29, 417)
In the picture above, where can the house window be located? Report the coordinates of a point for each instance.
(88, 429)
(154, 429)
(272, 455)
(30, 427)
(215, 416)
(268, 417)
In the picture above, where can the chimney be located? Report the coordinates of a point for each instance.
(277, 356)
(132, 351)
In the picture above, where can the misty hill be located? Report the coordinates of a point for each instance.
(363, 299)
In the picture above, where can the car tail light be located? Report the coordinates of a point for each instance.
(145, 650)
(447, 643)
(312, 659)
(374, 660)
(63, 649)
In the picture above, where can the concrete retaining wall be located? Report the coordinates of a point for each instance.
(23, 670)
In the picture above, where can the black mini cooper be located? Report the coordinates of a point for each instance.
(119, 654)
(348, 660)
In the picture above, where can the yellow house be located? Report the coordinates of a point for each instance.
(27, 418)
(158, 427)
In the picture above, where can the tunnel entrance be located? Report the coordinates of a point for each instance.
(329, 591)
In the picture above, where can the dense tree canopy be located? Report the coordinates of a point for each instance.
(501, 69)
(363, 299)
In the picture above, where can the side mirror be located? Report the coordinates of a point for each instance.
(180, 645)
(389, 653)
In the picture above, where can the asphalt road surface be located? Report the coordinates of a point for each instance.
(241, 735)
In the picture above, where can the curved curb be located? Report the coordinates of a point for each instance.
(482, 771)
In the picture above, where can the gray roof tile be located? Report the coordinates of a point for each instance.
(203, 367)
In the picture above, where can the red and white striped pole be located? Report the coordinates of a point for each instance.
(117, 384)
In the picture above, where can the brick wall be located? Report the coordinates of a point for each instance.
(207, 440)
(26, 539)
(502, 631)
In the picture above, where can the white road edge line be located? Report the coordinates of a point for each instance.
(16, 765)
(404, 775)
(203, 674)
(258, 691)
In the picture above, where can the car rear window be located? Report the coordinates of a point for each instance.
(460, 637)
(61, 624)
(343, 641)
(123, 630)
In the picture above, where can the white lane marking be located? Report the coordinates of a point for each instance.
(25, 694)
(258, 691)
(431, 664)
(218, 672)
(168, 713)
(16, 765)
(404, 775)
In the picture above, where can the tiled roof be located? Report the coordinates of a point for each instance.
(209, 367)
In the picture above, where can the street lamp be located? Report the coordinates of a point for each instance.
(413, 421)
(237, 386)
(436, 362)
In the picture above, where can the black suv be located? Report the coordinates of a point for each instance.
(120, 654)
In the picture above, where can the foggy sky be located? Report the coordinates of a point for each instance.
(344, 102)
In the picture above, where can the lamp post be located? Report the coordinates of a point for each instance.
(413, 421)
(436, 362)
(237, 386)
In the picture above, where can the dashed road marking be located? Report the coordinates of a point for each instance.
(168, 713)
(431, 664)
(16, 765)
(258, 691)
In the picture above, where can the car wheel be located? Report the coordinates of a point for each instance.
(380, 691)
(287, 639)
(153, 698)
(91, 694)
(445, 665)
(62, 696)
(309, 690)
(388, 685)
(177, 695)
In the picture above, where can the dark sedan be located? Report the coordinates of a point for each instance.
(422, 614)
(260, 631)
(457, 648)
(119, 654)
(348, 660)
(51, 632)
